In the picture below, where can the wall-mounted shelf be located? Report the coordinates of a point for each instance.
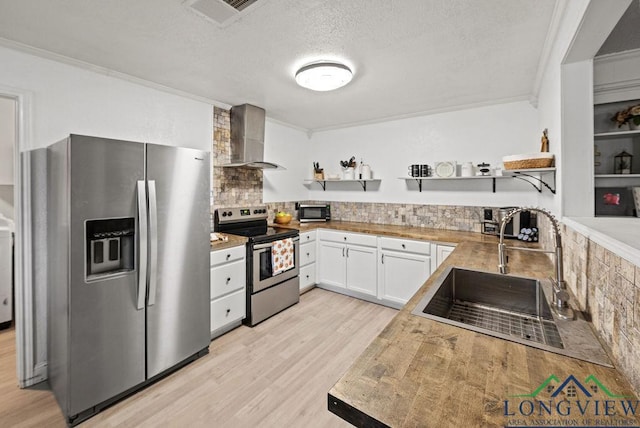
(362, 182)
(532, 176)
(617, 175)
(616, 135)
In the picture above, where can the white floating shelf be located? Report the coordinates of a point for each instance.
(363, 182)
(530, 173)
(617, 175)
(616, 135)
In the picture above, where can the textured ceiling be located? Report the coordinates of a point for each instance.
(409, 56)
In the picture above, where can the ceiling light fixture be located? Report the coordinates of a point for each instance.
(324, 76)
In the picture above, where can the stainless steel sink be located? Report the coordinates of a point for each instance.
(508, 307)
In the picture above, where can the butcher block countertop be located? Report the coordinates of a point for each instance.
(419, 372)
(232, 241)
(421, 233)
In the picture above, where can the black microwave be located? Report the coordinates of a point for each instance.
(314, 212)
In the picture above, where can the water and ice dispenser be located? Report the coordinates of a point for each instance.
(109, 248)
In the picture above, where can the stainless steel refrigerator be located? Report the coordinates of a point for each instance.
(128, 267)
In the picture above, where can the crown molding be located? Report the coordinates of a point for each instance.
(52, 56)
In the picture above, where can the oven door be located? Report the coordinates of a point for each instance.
(262, 267)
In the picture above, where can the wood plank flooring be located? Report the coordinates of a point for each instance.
(276, 374)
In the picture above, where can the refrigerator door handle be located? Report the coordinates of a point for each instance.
(142, 233)
(153, 243)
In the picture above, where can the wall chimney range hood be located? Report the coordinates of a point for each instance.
(247, 138)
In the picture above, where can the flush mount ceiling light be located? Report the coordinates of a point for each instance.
(323, 76)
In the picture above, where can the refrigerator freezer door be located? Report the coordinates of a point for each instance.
(106, 347)
(178, 321)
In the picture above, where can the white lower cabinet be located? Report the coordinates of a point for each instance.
(307, 277)
(332, 267)
(361, 269)
(442, 252)
(348, 261)
(228, 310)
(376, 268)
(307, 260)
(404, 266)
(228, 289)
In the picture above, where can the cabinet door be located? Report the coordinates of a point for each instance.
(307, 253)
(362, 274)
(331, 264)
(442, 252)
(228, 277)
(402, 274)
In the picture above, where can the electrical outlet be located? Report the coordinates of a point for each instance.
(488, 214)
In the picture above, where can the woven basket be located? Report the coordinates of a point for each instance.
(528, 163)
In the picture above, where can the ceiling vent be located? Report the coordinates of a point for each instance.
(240, 5)
(221, 11)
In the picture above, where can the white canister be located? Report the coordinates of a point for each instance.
(466, 169)
(348, 174)
(365, 172)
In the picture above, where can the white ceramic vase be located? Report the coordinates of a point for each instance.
(348, 174)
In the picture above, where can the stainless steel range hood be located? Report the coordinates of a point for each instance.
(247, 138)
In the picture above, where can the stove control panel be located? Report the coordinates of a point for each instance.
(233, 215)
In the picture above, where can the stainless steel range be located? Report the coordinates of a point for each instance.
(270, 289)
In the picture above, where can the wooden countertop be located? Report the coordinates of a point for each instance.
(419, 372)
(232, 241)
(421, 233)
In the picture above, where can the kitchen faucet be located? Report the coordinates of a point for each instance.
(560, 295)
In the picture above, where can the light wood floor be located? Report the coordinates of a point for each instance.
(276, 374)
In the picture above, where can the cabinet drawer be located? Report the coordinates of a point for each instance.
(227, 278)
(228, 309)
(348, 238)
(227, 255)
(407, 245)
(307, 253)
(307, 276)
(307, 236)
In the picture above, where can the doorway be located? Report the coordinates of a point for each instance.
(29, 303)
(8, 108)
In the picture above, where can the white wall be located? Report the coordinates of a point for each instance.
(550, 94)
(7, 142)
(565, 98)
(476, 135)
(67, 99)
(289, 148)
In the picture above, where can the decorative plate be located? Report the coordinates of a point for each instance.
(445, 169)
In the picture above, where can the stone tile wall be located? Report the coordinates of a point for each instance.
(607, 289)
(451, 217)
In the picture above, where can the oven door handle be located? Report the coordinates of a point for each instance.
(261, 246)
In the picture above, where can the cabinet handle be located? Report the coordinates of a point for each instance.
(347, 252)
(228, 256)
(382, 259)
(228, 311)
(342, 251)
(307, 254)
(345, 238)
(307, 276)
(228, 280)
(5, 301)
(404, 246)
